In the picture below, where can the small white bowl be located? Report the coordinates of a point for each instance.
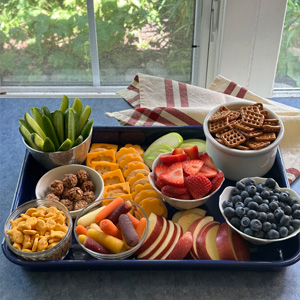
(42, 187)
(235, 163)
(178, 203)
(258, 241)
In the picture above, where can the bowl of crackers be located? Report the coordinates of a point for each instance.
(242, 138)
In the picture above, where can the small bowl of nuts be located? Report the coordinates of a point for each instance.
(39, 230)
(75, 186)
(242, 137)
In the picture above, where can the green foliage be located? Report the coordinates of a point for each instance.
(289, 57)
(49, 40)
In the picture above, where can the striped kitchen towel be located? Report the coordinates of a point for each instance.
(160, 101)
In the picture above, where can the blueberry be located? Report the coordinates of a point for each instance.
(227, 203)
(273, 198)
(270, 217)
(281, 204)
(236, 198)
(262, 216)
(250, 181)
(274, 226)
(285, 220)
(255, 225)
(295, 207)
(291, 229)
(295, 223)
(278, 213)
(247, 200)
(266, 226)
(292, 201)
(273, 234)
(252, 214)
(259, 234)
(283, 197)
(296, 214)
(251, 189)
(263, 207)
(283, 231)
(266, 201)
(240, 211)
(258, 199)
(236, 222)
(229, 212)
(248, 231)
(273, 205)
(265, 194)
(253, 205)
(287, 210)
(245, 221)
(270, 183)
(237, 204)
(260, 187)
(235, 191)
(244, 194)
(240, 185)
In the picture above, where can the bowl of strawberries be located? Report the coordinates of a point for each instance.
(185, 178)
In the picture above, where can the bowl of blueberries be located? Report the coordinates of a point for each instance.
(261, 211)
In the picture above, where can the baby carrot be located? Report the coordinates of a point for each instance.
(133, 219)
(141, 227)
(102, 214)
(108, 227)
(80, 230)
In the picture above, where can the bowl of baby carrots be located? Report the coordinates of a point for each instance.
(111, 228)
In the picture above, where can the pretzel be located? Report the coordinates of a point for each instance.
(233, 138)
(257, 145)
(221, 114)
(270, 136)
(218, 125)
(253, 119)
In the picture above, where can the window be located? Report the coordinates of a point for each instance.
(91, 44)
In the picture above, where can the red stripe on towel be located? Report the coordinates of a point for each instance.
(132, 100)
(230, 88)
(169, 93)
(241, 93)
(133, 88)
(181, 116)
(136, 78)
(154, 116)
(183, 94)
(294, 172)
(134, 118)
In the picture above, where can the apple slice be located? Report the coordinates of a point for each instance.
(158, 147)
(155, 227)
(186, 220)
(206, 242)
(195, 229)
(177, 238)
(168, 241)
(172, 139)
(196, 210)
(182, 247)
(155, 244)
(201, 144)
(230, 245)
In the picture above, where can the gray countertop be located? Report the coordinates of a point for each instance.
(18, 283)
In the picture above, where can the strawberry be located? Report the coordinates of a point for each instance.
(177, 151)
(170, 159)
(159, 169)
(216, 182)
(192, 152)
(186, 196)
(192, 167)
(208, 172)
(198, 186)
(174, 190)
(208, 161)
(158, 183)
(173, 175)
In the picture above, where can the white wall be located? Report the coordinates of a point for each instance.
(251, 42)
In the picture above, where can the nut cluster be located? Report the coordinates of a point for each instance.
(75, 191)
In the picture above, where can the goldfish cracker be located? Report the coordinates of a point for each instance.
(103, 167)
(61, 227)
(40, 212)
(29, 231)
(123, 152)
(16, 235)
(113, 177)
(42, 243)
(130, 158)
(14, 223)
(55, 234)
(105, 155)
(17, 246)
(112, 243)
(30, 211)
(35, 243)
(89, 218)
(41, 226)
(103, 146)
(131, 166)
(138, 148)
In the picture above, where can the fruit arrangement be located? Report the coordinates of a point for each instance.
(66, 127)
(261, 209)
(186, 174)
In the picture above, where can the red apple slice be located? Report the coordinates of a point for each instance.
(195, 229)
(186, 220)
(206, 242)
(155, 227)
(177, 238)
(157, 242)
(166, 244)
(182, 247)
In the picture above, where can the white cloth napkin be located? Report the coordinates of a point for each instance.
(160, 101)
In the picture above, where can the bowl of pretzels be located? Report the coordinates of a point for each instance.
(242, 138)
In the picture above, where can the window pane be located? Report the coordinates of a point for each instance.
(151, 37)
(44, 43)
(288, 69)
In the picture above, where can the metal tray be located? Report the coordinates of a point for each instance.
(271, 257)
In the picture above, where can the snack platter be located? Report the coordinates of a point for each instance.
(270, 257)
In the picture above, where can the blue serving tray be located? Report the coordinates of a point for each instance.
(271, 257)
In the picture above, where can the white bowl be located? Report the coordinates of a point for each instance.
(42, 187)
(235, 163)
(258, 241)
(178, 203)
